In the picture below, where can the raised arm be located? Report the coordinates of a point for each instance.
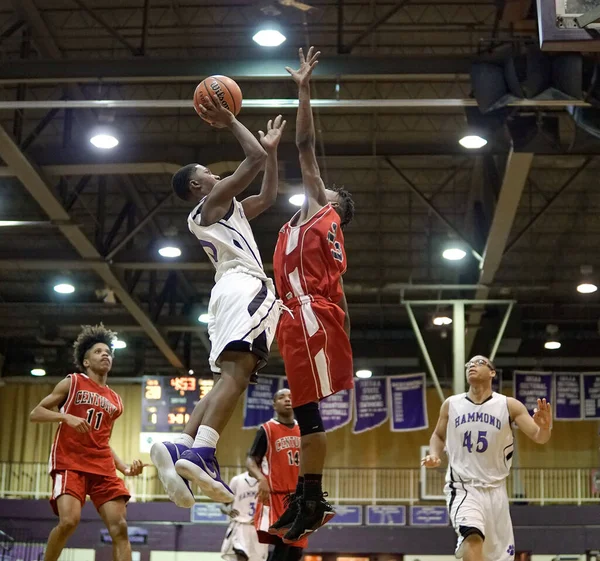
(257, 204)
(46, 411)
(438, 439)
(538, 427)
(314, 188)
(219, 200)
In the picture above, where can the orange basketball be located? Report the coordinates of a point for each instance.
(226, 90)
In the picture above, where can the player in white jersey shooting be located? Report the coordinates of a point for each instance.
(241, 540)
(243, 310)
(475, 428)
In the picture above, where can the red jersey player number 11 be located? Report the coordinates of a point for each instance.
(82, 461)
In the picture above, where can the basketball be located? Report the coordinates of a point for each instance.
(226, 89)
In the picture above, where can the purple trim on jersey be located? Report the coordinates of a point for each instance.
(209, 246)
(245, 241)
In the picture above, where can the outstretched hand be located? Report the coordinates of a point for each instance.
(136, 467)
(542, 414)
(270, 141)
(214, 113)
(307, 64)
(430, 461)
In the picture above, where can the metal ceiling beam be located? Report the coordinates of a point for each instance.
(150, 168)
(133, 195)
(47, 48)
(282, 103)
(373, 27)
(27, 10)
(548, 204)
(144, 28)
(98, 19)
(196, 69)
(33, 182)
(432, 207)
(517, 169)
(8, 32)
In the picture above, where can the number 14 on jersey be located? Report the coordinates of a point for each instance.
(481, 444)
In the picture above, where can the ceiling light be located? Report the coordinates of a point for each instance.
(191, 372)
(64, 288)
(472, 142)
(38, 372)
(442, 320)
(364, 373)
(297, 200)
(587, 288)
(552, 343)
(454, 254)
(203, 318)
(118, 344)
(170, 251)
(269, 38)
(104, 141)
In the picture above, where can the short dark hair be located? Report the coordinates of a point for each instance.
(346, 205)
(181, 181)
(278, 393)
(89, 336)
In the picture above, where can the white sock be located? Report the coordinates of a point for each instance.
(184, 439)
(207, 437)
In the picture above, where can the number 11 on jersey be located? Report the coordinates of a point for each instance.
(90, 416)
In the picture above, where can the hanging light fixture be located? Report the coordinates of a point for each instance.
(552, 342)
(586, 286)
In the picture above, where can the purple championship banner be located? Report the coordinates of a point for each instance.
(591, 395)
(370, 404)
(529, 386)
(568, 403)
(406, 395)
(336, 410)
(258, 402)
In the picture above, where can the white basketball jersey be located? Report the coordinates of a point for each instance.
(479, 441)
(229, 243)
(244, 487)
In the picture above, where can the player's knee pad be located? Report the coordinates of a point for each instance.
(309, 419)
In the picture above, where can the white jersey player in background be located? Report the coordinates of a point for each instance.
(243, 310)
(241, 540)
(475, 428)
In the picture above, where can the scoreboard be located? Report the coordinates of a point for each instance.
(167, 402)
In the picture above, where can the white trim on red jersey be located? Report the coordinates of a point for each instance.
(65, 406)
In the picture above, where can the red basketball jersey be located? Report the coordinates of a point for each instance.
(310, 258)
(280, 463)
(88, 452)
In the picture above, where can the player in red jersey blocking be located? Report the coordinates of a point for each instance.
(314, 339)
(82, 461)
(273, 460)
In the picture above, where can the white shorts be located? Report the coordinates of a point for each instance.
(243, 315)
(242, 538)
(483, 509)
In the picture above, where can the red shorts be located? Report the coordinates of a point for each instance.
(100, 488)
(316, 350)
(266, 516)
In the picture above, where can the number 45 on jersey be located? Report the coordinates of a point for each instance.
(480, 446)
